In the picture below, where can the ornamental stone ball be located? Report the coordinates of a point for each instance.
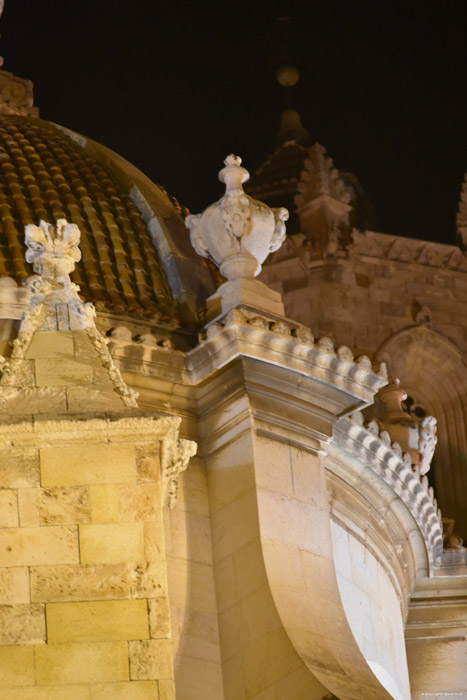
(237, 233)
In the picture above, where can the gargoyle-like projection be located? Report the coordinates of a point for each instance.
(415, 434)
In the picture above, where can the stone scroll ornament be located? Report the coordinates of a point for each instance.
(237, 232)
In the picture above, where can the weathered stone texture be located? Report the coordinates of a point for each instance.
(54, 506)
(159, 618)
(151, 659)
(140, 502)
(19, 467)
(148, 580)
(62, 372)
(62, 583)
(148, 463)
(14, 585)
(8, 508)
(22, 624)
(111, 543)
(31, 546)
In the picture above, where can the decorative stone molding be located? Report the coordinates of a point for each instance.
(407, 250)
(386, 458)
(176, 454)
(56, 306)
(53, 250)
(288, 345)
(320, 177)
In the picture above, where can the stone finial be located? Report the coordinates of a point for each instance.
(237, 232)
(53, 250)
(58, 322)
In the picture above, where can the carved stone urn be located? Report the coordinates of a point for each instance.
(237, 233)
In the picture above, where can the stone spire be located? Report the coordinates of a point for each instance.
(60, 362)
(323, 202)
(237, 233)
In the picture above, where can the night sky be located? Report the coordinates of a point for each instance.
(176, 86)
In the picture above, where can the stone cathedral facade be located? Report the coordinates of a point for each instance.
(232, 462)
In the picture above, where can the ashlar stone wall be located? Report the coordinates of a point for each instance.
(84, 610)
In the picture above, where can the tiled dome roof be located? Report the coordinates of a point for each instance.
(45, 174)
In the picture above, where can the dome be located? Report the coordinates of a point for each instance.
(49, 173)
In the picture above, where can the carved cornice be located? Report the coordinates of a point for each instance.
(407, 250)
(284, 344)
(374, 448)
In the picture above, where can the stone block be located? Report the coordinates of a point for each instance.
(166, 689)
(132, 690)
(87, 464)
(97, 397)
(154, 541)
(31, 546)
(14, 585)
(49, 344)
(19, 468)
(22, 375)
(63, 583)
(16, 665)
(104, 503)
(62, 372)
(149, 579)
(95, 621)
(27, 400)
(63, 505)
(8, 508)
(151, 660)
(22, 624)
(140, 502)
(46, 692)
(148, 463)
(159, 618)
(111, 543)
(97, 662)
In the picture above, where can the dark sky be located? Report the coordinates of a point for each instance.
(176, 86)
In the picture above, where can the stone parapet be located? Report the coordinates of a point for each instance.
(385, 459)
